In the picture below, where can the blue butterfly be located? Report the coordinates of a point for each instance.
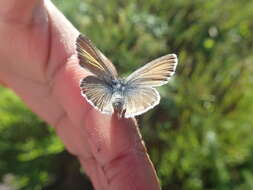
(127, 97)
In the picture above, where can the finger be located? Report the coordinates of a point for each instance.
(115, 146)
(19, 11)
(123, 158)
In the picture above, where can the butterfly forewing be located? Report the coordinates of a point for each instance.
(154, 73)
(93, 60)
(98, 93)
(140, 100)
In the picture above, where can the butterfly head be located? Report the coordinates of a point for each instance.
(118, 84)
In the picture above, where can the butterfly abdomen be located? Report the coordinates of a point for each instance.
(118, 98)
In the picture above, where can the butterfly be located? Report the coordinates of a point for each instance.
(127, 97)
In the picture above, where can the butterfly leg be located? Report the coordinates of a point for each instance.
(123, 113)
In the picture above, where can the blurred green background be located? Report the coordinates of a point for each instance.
(199, 137)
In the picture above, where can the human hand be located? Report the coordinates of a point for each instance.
(38, 61)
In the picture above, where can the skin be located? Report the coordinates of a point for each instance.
(38, 62)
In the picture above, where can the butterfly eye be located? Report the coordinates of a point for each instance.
(114, 82)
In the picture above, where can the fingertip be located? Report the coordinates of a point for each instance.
(117, 120)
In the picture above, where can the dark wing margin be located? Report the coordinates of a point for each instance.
(154, 73)
(98, 93)
(93, 60)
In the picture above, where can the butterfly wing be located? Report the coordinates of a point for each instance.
(98, 93)
(154, 73)
(140, 100)
(93, 60)
(140, 96)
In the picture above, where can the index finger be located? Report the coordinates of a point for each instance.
(110, 149)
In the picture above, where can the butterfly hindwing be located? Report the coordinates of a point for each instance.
(139, 100)
(98, 93)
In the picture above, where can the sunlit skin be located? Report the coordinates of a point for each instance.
(38, 62)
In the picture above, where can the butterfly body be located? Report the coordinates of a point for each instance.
(126, 97)
(118, 98)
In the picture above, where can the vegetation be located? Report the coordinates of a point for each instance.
(199, 137)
